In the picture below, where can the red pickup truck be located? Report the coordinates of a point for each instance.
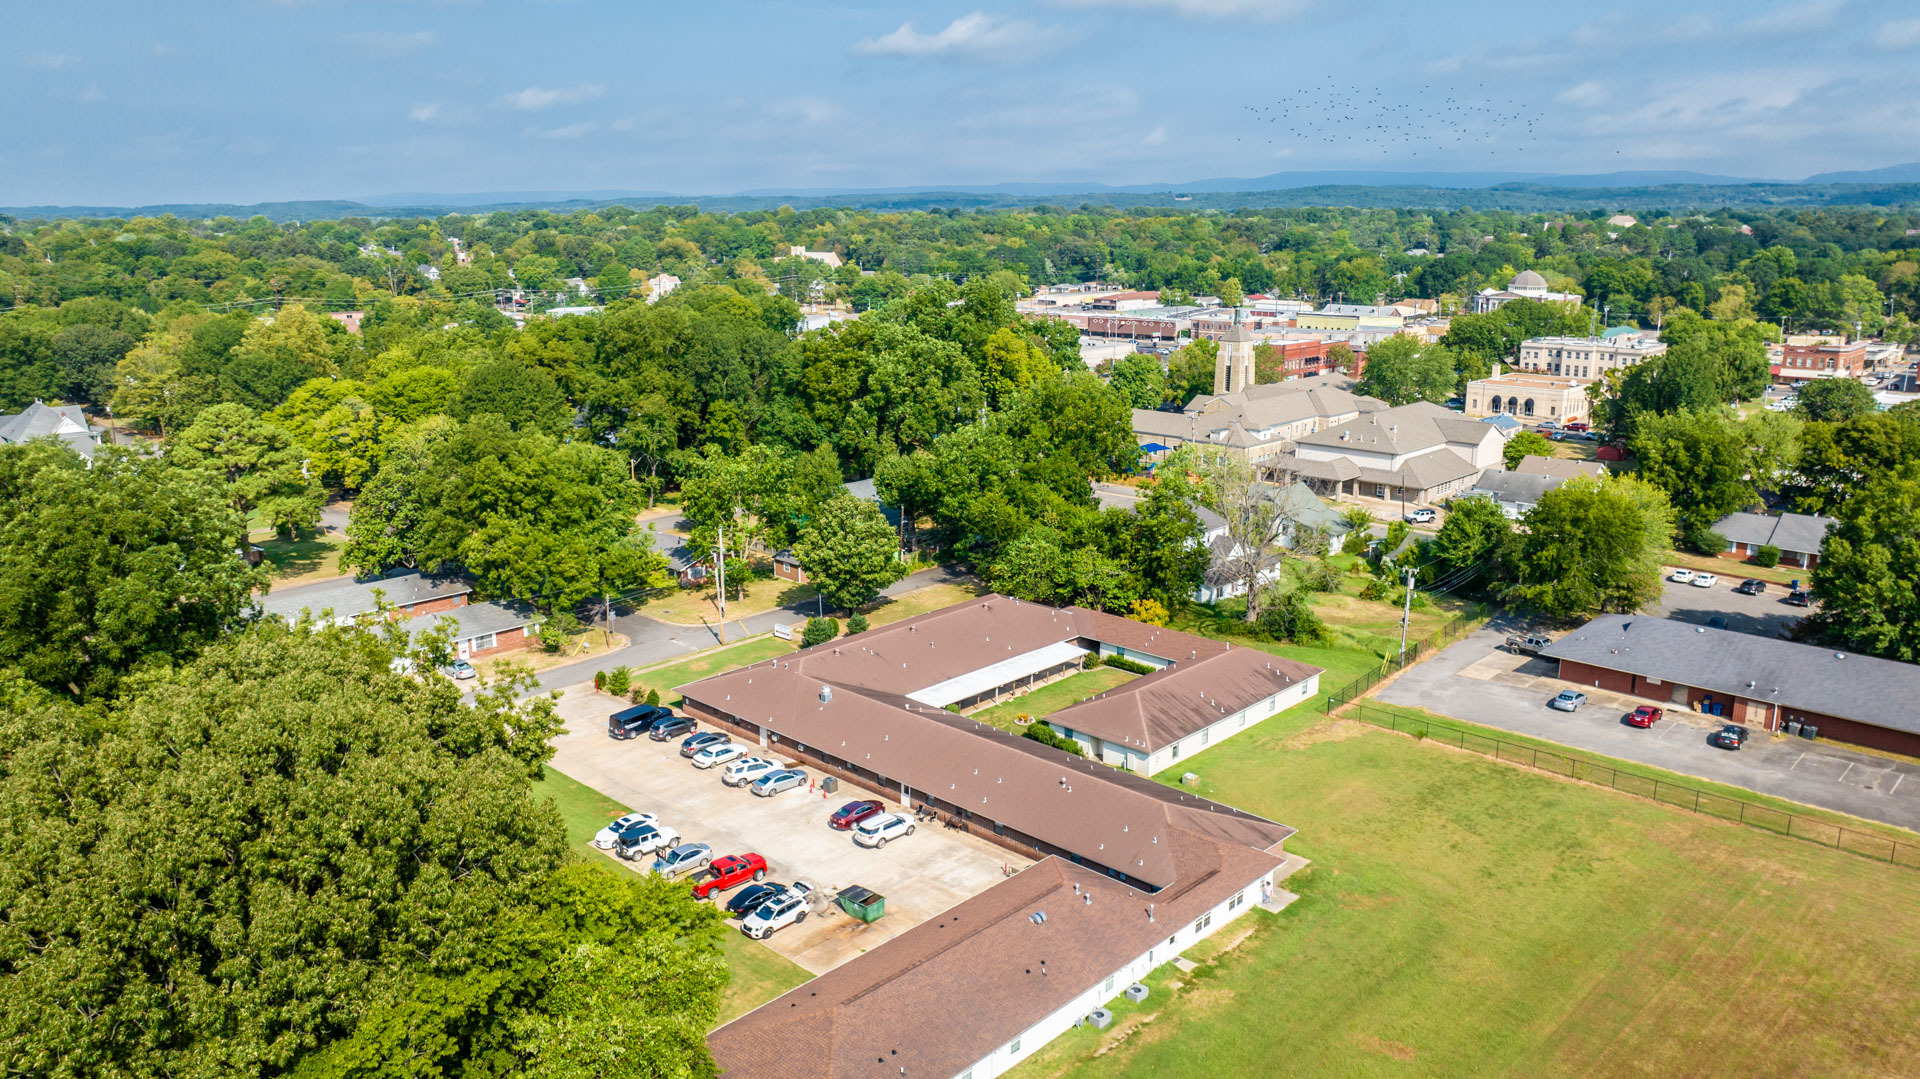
(727, 872)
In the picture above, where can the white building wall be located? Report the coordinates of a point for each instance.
(1124, 652)
(1180, 937)
(1228, 726)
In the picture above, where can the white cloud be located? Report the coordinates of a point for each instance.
(1901, 34)
(1246, 10)
(1589, 93)
(810, 110)
(50, 61)
(534, 98)
(570, 131)
(421, 114)
(1155, 137)
(92, 94)
(975, 36)
(391, 46)
(1796, 18)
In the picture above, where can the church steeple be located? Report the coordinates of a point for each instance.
(1233, 367)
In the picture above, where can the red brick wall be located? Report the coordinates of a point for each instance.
(1601, 678)
(434, 606)
(511, 640)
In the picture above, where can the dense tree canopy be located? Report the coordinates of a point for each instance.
(1591, 546)
(1868, 578)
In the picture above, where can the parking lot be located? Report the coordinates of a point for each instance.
(921, 875)
(1767, 614)
(1477, 681)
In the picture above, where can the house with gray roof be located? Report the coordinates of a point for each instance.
(1296, 503)
(1418, 453)
(66, 424)
(490, 628)
(1797, 535)
(405, 593)
(1761, 683)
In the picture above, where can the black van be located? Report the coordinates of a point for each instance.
(633, 722)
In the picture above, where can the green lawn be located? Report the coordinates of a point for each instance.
(1054, 696)
(701, 664)
(920, 601)
(305, 558)
(757, 973)
(1468, 918)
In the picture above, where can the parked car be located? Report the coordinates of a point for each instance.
(746, 770)
(854, 812)
(1421, 516)
(717, 753)
(774, 782)
(1568, 701)
(632, 722)
(1548, 425)
(699, 740)
(684, 858)
(1680, 576)
(1705, 580)
(752, 897)
(462, 669)
(669, 727)
(1579, 427)
(1750, 587)
(1799, 597)
(1730, 736)
(1527, 645)
(729, 872)
(1644, 716)
(876, 832)
(606, 837)
(642, 839)
(789, 908)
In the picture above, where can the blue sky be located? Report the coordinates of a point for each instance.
(117, 103)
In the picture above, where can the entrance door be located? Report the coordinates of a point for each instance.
(1680, 695)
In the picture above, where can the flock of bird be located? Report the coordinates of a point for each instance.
(1352, 118)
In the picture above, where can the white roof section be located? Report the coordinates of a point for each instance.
(995, 675)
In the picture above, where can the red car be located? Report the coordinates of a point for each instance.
(727, 872)
(1644, 716)
(853, 813)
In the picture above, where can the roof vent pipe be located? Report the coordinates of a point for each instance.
(826, 694)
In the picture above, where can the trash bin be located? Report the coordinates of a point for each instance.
(1808, 730)
(863, 903)
(829, 784)
(1793, 727)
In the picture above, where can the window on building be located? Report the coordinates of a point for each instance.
(1205, 921)
(1176, 751)
(1014, 1047)
(483, 642)
(1205, 736)
(1109, 986)
(1239, 898)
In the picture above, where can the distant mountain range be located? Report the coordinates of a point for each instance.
(1645, 190)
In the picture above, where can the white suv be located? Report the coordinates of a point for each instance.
(775, 914)
(875, 831)
(742, 772)
(606, 837)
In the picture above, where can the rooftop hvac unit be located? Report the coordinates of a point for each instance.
(1136, 992)
(1793, 727)
(1100, 1018)
(1808, 730)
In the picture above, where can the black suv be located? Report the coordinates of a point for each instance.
(1751, 587)
(669, 727)
(633, 722)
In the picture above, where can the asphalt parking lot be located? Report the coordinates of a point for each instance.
(921, 875)
(1766, 614)
(1478, 681)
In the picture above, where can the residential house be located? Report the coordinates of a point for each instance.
(830, 258)
(1798, 536)
(428, 270)
(1560, 468)
(787, 567)
(493, 628)
(405, 593)
(65, 423)
(1418, 453)
(349, 320)
(660, 285)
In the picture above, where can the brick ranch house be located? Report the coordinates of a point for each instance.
(1130, 871)
(1758, 682)
(480, 629)
(1796, 535)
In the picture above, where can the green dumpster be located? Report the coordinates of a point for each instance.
(862, 903)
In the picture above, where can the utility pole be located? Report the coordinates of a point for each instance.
(1406, 615)
(720, 570)
(606, 606)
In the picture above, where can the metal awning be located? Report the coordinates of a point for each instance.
(1004, 673)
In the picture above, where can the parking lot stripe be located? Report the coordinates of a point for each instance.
(1796, 762)
(1896, 783)
(1843, 775)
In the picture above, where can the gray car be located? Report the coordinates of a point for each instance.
(684, 858)
(774, 782)
(1568, 701)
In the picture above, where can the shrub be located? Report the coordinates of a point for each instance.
(617, 681)
(1700, 536)
(1320, 577)
(557, 629)
(1768, 555)
(653, 697)
(1376, 589)
(1122, 663)
(857, 623)
(1355, 543)
(1287, 617)
(639, 694)
(1397, 534)
(1094, 659)
(600, 680)
(1150, 611)
(819, 631)
(1044, 735)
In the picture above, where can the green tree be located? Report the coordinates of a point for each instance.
(1401, 370)
(272, 357)
(1190, 370)
(849, 550)
(819, 631)
(1835, 456)
(108, 566)
(383, 531)
(523, 396)
(256, 463)
(1165, 543)
(1868, 577)
(1141, 380)
(1591, 546)
(1835, 400)
(236, 823)
(1472, 538)
(1525, 444)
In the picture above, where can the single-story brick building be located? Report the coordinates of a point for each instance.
(1797, 535)
(1758, 682)
(405, 593)
(494, 627)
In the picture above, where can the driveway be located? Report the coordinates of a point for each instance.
(1477, 681)
(1766, 614)
(921, 875)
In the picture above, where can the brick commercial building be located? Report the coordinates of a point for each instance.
(1130, 872)
(1528, 396)
(1758, 682)
(1822, 359)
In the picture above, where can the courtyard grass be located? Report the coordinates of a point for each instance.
(919, 601)
(665, 676)
(306, 558)
(1467, 918)
(1729, 569)
(1053, 696)
(700, 606)
(756, 973)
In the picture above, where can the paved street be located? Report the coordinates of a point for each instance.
(1477, 681)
